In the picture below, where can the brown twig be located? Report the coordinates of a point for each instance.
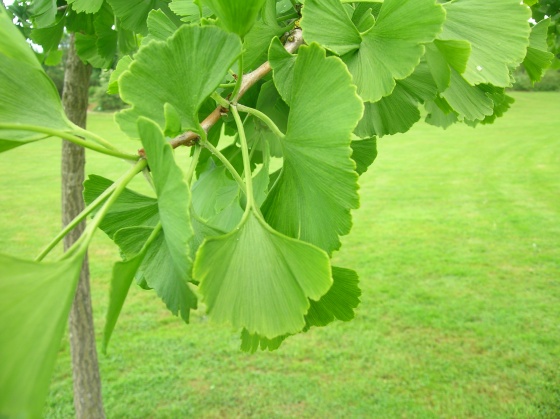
(189, 138)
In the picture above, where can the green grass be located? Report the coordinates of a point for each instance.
(458, 248)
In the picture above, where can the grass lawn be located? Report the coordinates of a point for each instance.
(458, 248)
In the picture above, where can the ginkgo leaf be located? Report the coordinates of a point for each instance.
(265, 288)
(130, 208)
(236, 16)
(326, 22)
(496, 44)
(364, 153)
(440, 114)
(250, 342)
(160, 26)
(182, 71)
(133, 14)
(399, 111)
(49, 38)
(395, 113)
(173, 193)
(123, 275)
(86, 6)
(258, 133)
(43, 12)
(388, 51)
(317, 188)
(257, 40)
(28, 97)
(339, 303)
(35, 299)
(282, 63)
(446, 59)
(122, 66)
(158, 269)
(538, 58)
(189, 10)
(166, 262)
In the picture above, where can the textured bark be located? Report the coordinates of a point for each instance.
(85, 370)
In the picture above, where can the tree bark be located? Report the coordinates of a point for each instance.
(85, 369)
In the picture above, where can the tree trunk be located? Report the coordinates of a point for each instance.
(85, 370)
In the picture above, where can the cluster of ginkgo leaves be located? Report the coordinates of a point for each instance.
(282, 104)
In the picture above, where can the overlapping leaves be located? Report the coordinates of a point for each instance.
(318, 187)
(387, 51)
(200, 55)
(264, 288)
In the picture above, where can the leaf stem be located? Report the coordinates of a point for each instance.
(77, 220)
(69, 137)
(263, 117)
(120, 187)
(220, 100)
(194, 162)
(189, 138)
(92, 136)
(235, 95)
(226, 163)
(246, 160)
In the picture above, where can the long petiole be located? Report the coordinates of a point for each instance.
(121, 186)
(235, 94)
(246, 160)
(220, 100)
(194, 162)
(226, 163)
(81, 216)
(72, 138)
(263, 117)
(94, 137)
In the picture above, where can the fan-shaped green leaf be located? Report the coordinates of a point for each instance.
(182, 71)
(257, 279)
(498, 32)
(339, 303)
(364, 153)
(122, 66)
(133, 14)
(130, 208)
(123, 274)
(538, 58)
(317, 189)
(390, 115)
(173, 194)
(446, 59)
(43, 12)
(250, 342)
(35, 299)
(28, 94)
(159, 269)
(160, 26)
(326, 22)
(237, 16)
(282, 63)
(86, 6)
(388, 51)
(257, 41)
